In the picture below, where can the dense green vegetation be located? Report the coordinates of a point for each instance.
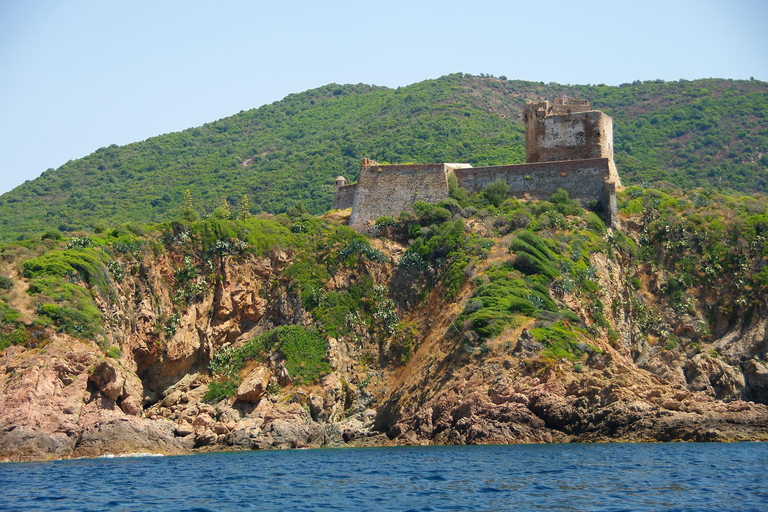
(68, 277)
(709, 133)
(304, 352)
(712, 249)
(549, 243)
(513, 263)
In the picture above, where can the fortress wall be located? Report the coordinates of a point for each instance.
(585, 180)
(390, 189)
(344, 197)
(568, 137)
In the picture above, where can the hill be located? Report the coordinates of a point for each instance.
(703, 133)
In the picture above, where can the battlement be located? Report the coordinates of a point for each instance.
(567, 145)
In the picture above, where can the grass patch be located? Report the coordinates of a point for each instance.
(561, 340)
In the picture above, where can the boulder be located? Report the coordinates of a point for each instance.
(126, 435)
(119, 385)
(254, 386)
(184, 428)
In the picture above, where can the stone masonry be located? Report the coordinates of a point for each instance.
(568, 146)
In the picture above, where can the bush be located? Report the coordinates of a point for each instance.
(496, 193)
(52, 234)
(560, 340)
(18, 336)
(459, 194)
(430, 214)
(595, 223)
(564, 204)
(220, 389)
(304, 352)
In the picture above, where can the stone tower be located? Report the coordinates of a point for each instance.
(566, 130)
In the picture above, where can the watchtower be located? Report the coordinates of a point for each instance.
(566, 130)
(340, 181)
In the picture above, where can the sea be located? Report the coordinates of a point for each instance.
(560, 477)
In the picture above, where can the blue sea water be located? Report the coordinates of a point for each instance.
(706, 477)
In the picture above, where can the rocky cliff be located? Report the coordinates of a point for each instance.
(478, 321)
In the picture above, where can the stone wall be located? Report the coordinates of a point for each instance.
(585, 180)
(566, 132)
(568, 146)
(390, 189)
(344, 197)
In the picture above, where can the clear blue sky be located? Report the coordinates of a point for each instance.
(79, 75)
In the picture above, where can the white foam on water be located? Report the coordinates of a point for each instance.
(122, 455)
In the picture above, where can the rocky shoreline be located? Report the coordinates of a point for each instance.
(51, 410)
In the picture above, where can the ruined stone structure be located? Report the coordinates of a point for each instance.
(567, 145)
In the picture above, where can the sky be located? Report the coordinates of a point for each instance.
(77, 75)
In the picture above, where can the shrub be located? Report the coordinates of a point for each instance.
(595, 223)
(304, 352)
(459, 194)
(560, 340)
(430, 214)
(117, 271)
(8, 314)
(496, 193)
(79, 241)
(220, 389)
(671, 344)
(52, 234)
(18, 336)
(564, 204)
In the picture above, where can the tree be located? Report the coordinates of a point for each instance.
(245, 208)
(187, 204)
(187, 212)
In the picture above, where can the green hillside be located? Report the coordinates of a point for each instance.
(690, 133)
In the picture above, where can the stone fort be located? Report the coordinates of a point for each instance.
(567, 145)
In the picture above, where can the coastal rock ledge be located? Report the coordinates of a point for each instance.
(56, 405)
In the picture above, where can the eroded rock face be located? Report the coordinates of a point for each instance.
(127, 435)
(254, 386)
(66, 399)
(62, 400)
(119, 385)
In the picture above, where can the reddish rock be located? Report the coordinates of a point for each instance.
(254, 386)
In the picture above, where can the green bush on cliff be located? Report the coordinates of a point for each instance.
(334, 310)
(11, 332)
(564, 204)
(58, 299)
(703, 241)
(304, 351)
(532, 256)
(502, 299)
(73, 264)
(259, 235)
(220, 389)
(8, 315)
(561, 340)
